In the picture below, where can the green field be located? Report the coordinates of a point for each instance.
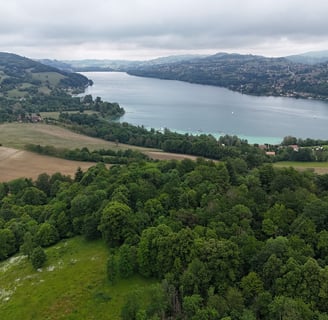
(318, 167)
(53, 78)
(55, 114)
(72, 285)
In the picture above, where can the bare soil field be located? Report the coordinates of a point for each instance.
(18, 163)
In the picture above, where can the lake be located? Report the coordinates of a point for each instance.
(194, 108)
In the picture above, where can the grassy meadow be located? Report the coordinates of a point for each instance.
(17, 135)
(53, 78)
(72, 285)
(317, 167)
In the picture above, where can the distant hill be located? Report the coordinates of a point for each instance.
(303, 76)
(121, 65)
(57, 64)
(312, 57)
(22, 77)
(250, 74)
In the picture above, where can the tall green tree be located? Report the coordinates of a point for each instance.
(7, 243)
(116, 223)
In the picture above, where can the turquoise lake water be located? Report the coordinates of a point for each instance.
(193, 108)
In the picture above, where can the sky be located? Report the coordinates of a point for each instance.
(146, 29)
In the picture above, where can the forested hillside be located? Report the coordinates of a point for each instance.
(28, 87)
(249, 74)
(22, 77)
(225, 241)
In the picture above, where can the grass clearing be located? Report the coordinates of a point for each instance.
(53, 78)
(72, 285)
(55, 114)
(317, 167)
(15, 93)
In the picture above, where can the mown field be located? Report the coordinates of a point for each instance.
(16, 163)
(317, 167)
(72, 285)
(17, 135)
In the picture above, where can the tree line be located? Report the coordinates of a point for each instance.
(57, 101)
(204, 145)
(84, 154)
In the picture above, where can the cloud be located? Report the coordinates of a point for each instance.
(105, 28)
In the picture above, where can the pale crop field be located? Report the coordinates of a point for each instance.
(19, 163)
(17, 135)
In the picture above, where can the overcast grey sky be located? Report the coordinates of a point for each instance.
(142, 29)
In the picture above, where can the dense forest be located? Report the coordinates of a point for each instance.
(224, 241)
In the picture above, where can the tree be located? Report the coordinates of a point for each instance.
(78, 175)
(38, 257)
(191, 304)
(322, 245)
(64, 225)
(317, 212)
(289, 140)
(47, 235)
(43, 183)
(235, 302)
(90, 226)
(149, 251)
(33, 196)
(277, 220)
(116, 223)
(196, 279)
(131, 306)
(252, 286)
(28, 244)
(323, 293)
(7, 243)
(112, 269)
(310, 284)
(158, 302)
(206, 314)
(284, 308)
(127, 260)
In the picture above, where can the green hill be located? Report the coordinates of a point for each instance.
(21, 77)
(72, 285)
(249, 74)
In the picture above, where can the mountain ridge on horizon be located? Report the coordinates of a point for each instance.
(186, 56)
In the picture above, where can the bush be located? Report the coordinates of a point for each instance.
(38, 258)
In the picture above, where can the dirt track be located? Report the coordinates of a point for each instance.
(159, 155)
(18, 163)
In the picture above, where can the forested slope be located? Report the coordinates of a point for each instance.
(226, 241)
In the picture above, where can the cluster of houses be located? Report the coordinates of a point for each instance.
(31, 117)
(269, 152)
